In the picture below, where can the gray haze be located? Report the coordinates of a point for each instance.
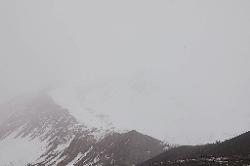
(193, 56)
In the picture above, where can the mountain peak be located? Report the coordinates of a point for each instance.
(55, 137)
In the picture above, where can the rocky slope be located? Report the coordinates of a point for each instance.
(35, 130)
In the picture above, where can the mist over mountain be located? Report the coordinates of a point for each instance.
(35, 130)
(180, 64)
(118, 82)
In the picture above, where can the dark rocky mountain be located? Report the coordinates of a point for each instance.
(36, 131)
(235, 151)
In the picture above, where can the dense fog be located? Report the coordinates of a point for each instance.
(175, 70)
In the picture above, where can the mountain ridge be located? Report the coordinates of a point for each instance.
(64, 141)
(233, 151)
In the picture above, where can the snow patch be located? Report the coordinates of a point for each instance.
(21, 150)
(79, 157)
(69, 99)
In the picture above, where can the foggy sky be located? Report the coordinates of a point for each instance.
(195, 55)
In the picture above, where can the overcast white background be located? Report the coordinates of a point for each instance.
(191, 57)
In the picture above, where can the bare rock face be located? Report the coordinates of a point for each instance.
(36, 131)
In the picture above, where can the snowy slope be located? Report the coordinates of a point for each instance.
(70, 99)
(112, 104)
(23, 151)
(38, 130)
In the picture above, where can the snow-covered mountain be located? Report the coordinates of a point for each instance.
(53, 128)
